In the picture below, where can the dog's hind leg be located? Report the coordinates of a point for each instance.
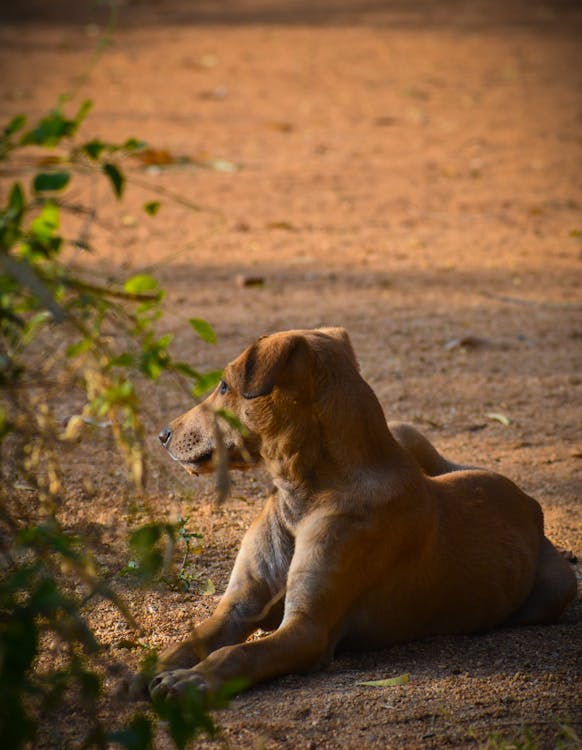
(422, 450)
(554, 588)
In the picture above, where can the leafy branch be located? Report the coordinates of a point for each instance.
(64, 338)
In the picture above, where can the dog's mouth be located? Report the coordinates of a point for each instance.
(205, 464)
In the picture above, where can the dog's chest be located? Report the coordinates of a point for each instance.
(291, 507)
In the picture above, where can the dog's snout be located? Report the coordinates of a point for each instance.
(165, 436)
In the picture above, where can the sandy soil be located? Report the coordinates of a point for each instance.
(410, 171)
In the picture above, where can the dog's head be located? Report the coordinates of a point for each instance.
(270, 388)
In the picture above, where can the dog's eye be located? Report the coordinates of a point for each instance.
(222, 387)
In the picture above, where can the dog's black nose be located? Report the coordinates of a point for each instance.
(165, 436)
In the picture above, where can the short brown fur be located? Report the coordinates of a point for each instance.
(371, 538)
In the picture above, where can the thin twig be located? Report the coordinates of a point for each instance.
(533, 303)
(160, 190)
(103, 44)
(117, 293)
(22, 272)
(169, 257)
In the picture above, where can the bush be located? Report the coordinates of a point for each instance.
(62, 332)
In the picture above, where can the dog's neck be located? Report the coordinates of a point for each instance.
(321, 450)
(292, 466)
(299, 468)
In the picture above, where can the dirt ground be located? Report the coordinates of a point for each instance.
(409, 170)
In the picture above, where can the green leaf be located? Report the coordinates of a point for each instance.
(144, 544)
(152, 207)
(46, 599)
(164, 341)
(44, 237)
(90, 684)
(94, 148)
(223, 695)
(138, 735)
(16, 200)
(402, 679)
(155, 360)
(203, 329)
(17, 123)
(34, 324)
(116, 177)
(79, 348)
(51, 181)
(24, 273)
(122, 360)
(49, 131)
(186, 715)
(133, 144)
(5, 425)
(207, 382)
(45, 225)
(83, 111)
(141, 284)
(11, 218)
(232, 420)
(146, 536)
(185, 369)
(22, 632)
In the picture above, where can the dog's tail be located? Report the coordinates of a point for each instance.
(422, 450)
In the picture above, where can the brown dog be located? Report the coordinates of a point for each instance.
(372, 537)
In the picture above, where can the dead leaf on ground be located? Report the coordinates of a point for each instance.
(469, 341)
(217, 94)
(281, 127)
(208, 589)
(416, 93)
(250, 281)
(204, 160)
(477, 427)
(498, 417)
(285, 225)
(158, 157)
(385, 122)
(402, 679)
(221, 165)
(49, 161)
(208, 61)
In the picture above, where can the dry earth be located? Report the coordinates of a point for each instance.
(410, 170)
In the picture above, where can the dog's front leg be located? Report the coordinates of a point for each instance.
(254, 594)
(316, 602)
(298, 645)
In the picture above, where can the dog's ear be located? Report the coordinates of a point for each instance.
(269, 362)
(341, 335)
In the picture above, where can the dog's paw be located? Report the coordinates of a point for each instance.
(181, 655)
(137, 688)
(172, 684)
